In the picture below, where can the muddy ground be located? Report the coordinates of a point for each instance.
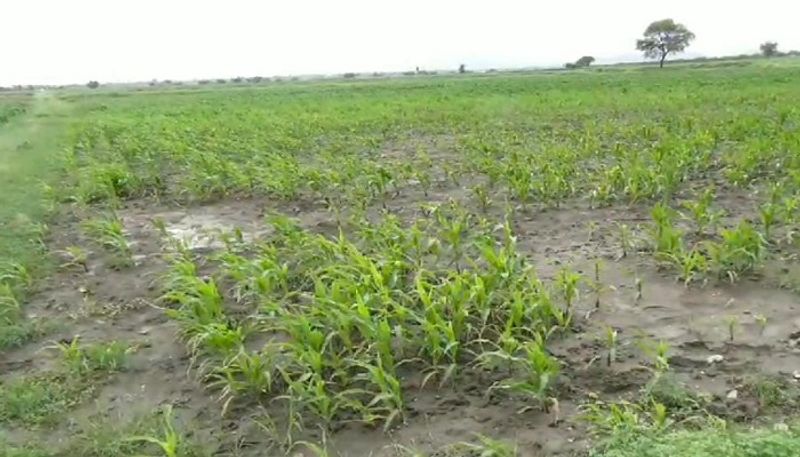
(105, 304)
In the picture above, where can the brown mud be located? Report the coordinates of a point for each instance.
(106, 304)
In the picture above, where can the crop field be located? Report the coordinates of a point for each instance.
(594, 263)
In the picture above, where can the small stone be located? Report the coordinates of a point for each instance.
(733, 395)
(144, 330)
(716, 358)
(796, 374)
(780, 427)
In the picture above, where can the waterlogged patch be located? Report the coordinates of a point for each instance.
(199, 228)
(206, 231)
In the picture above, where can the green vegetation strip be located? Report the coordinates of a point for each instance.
(30, 156)
(39, 399)
(765, 442)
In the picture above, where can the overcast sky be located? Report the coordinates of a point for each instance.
(60, 41)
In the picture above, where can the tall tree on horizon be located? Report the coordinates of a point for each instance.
(662, 38)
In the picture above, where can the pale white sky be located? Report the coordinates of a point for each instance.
(59, 41)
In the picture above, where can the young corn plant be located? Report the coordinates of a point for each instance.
(593, 228)
(489, 447)
(742, 250)
(454, 228)
(667, 239)
(380, 182)
(314, 449)
(521, 184)
(424, 178)
(539, 373)
(481, 193)
(761, 321)
(387, 403)
(171, 443)
(108, 357)
(692, 265)
(308, 392)
(613, 418)
(790, 209)
(769, 213)
(732, 322)
(624, 418)
(216, 339)
(702, 213)
(568, 282)
(16, 276)
(10, 309)
(611, 337)
(75, 256)
(109, 233)
(199, 301)
(72, 355)
(597, 285)
(453, 173)
(81, 360)
(660, 416)
(161, 227)
(660, 354)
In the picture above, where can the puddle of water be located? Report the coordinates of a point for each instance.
(200, 231)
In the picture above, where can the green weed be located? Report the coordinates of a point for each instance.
(109, 233)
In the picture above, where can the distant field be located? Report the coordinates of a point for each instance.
(12, 106)
(599, 262)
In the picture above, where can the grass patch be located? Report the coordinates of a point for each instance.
(15, 334)
(40, 399)
(29, 157)
(157, 434)
(674, 395)
(37, 400)
(7, 450)
(704, 443)
(774, 394)
(671, 420)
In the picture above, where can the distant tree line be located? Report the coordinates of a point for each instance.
(660, 39)
(584, 61)
(666, 37)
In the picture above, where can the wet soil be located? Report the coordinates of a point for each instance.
(104, 304)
